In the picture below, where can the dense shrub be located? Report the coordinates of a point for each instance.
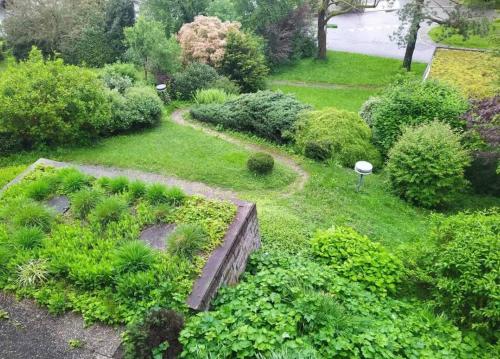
(225, 84)
(119, 76)
(212, 95)
(244, 61)
(187, 241)
(139, 107)
(194, 77)
(357, 258)
(204, 39)
(413, 102)
(426, 166)
(337, 134)
(157, 327)
(461, 268)
(367, 108)
(49, 103)
(260, 163)
(287, 303)
(268, 114)
(483, 122)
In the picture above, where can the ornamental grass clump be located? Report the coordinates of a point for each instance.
(212, 95)
(187, 240)
(84, 201)
(109, 210)
(134, 256)
(32, 214)
(28, 237)
(427, 164)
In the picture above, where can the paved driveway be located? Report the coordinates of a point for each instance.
(368, 33)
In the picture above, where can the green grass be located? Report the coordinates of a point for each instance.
(8, 173)
(347, 99)
(352, 79)
(345, 68)
(489, 41)
(171, 149)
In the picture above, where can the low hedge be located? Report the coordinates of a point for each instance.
(268, 114)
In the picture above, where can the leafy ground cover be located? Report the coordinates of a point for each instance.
(475, 73)
(442, 35)
(357, 76)
(89, 259)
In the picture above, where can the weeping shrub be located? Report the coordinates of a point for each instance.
(335, 134)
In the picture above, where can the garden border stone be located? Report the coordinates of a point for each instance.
(226, 263)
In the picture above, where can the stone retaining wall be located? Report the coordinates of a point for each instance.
(225, 264)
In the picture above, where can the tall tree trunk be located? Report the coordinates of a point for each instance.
(412, 37)
(322, 34)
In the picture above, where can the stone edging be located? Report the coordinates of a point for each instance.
(226, 263)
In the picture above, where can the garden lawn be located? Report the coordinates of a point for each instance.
(169, 149)
(345, 80)
(490, 41)
(349, 99)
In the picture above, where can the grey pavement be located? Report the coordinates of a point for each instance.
(368, 33)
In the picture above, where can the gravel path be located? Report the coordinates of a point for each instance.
(302, 175)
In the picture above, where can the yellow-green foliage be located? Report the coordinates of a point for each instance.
(475, 73)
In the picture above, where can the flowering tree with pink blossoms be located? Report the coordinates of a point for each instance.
(204, 39)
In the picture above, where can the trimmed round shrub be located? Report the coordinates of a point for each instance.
(260, 163)
(194, 77)
(157, 327)
(50, 103)
(461, 268)
(335, 134)
(414, 102)
(426, 166)
(134, 256)
(267, 114)
(109, 210)
(187, 241)
(357, 258)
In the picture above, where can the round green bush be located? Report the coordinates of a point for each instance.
(50, 103)
(336, 134)
(139, 107)
(413, 102)
(260, 163)
(194, 77)
(426, 166)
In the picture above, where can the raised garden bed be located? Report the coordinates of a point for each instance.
(474, 72)
(112, 248)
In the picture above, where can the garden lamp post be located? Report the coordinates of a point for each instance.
(363, 168)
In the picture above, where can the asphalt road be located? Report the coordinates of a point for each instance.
(368, 33)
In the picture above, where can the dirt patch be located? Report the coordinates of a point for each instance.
(31, 332)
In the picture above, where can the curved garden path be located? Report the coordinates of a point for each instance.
(288, 161)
